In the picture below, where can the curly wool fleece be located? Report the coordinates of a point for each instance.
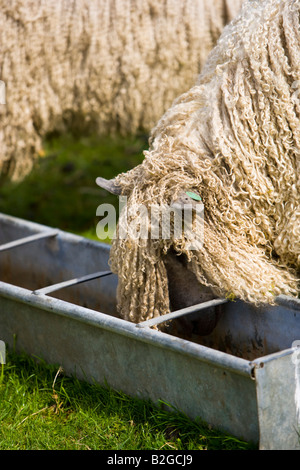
(97, 65)
(235, 139)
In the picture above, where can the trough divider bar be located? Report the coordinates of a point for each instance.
(179, 313)
(29, 239)
(71, 282)
(289, 302)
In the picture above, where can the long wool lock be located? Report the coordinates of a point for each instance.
(234, 139)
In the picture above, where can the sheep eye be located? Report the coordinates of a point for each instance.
(194, 196)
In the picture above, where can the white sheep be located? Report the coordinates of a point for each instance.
(96, 65)
(234, 139)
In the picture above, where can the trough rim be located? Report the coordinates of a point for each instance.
(127, 329)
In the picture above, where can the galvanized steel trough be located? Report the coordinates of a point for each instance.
(58, 302)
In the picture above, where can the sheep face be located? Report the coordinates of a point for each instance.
(183, 286)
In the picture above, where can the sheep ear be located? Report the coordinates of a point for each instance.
(109, 185)
(186, 199)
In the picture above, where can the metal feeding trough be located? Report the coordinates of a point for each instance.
(57, 302)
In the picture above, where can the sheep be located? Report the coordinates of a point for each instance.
(234, 139)
(103, 66)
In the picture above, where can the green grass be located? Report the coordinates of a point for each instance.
(42, 409)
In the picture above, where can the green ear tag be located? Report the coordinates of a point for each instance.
(194, 196)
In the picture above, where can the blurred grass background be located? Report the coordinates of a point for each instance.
(61, 190)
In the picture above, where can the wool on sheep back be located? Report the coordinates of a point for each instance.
(103, 66)
(234, 138)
